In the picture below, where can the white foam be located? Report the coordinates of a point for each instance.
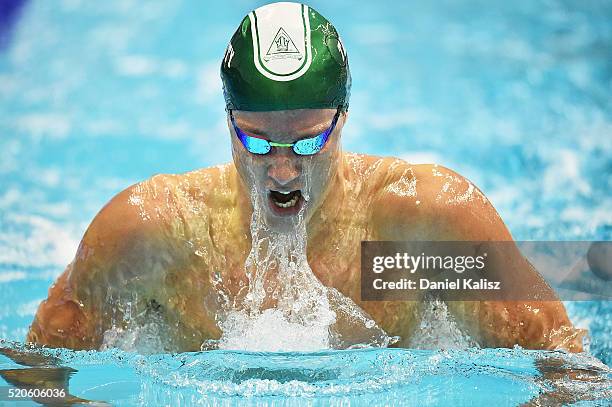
(41, 243)
(10, 276)
(271, 331)
(438, 330)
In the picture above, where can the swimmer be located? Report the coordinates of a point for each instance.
(161, 244)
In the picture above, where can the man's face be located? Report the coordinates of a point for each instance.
(287, 183)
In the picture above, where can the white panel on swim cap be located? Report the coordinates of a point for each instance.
(281, 40)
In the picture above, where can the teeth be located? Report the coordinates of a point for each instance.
(287, 204)
(284, 193)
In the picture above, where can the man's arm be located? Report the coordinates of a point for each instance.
(72, 315)
(447, 207)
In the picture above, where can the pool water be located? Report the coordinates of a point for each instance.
(372, 377)
(95, 96)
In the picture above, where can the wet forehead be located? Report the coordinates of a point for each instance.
(285, 125)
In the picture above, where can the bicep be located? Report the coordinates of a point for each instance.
(71, 315)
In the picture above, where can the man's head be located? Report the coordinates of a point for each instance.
(286, 84)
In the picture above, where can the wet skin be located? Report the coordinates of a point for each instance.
(159, 245)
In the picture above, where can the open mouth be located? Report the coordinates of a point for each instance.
(285, 203)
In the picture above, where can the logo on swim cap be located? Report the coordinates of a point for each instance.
(282, 47)
(281, 53)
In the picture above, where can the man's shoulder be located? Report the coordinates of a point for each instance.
(129, 216)
(372, 173)
(398, 177)
(428, 201)
(172, 192)
(428, 184)
(196, 184)
(152, 207)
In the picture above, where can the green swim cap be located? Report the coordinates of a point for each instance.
(285, 56)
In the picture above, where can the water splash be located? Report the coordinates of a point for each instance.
(285, 307)
(145, 338)
(438, 330)
(144, 332)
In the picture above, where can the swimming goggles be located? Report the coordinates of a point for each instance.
(308, 146)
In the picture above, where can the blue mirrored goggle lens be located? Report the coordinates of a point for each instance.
(253, 144)
(311, 145)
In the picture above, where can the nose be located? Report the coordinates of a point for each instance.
(284, 167)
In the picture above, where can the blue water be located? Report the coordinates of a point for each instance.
(95, 96)
(367, 377)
